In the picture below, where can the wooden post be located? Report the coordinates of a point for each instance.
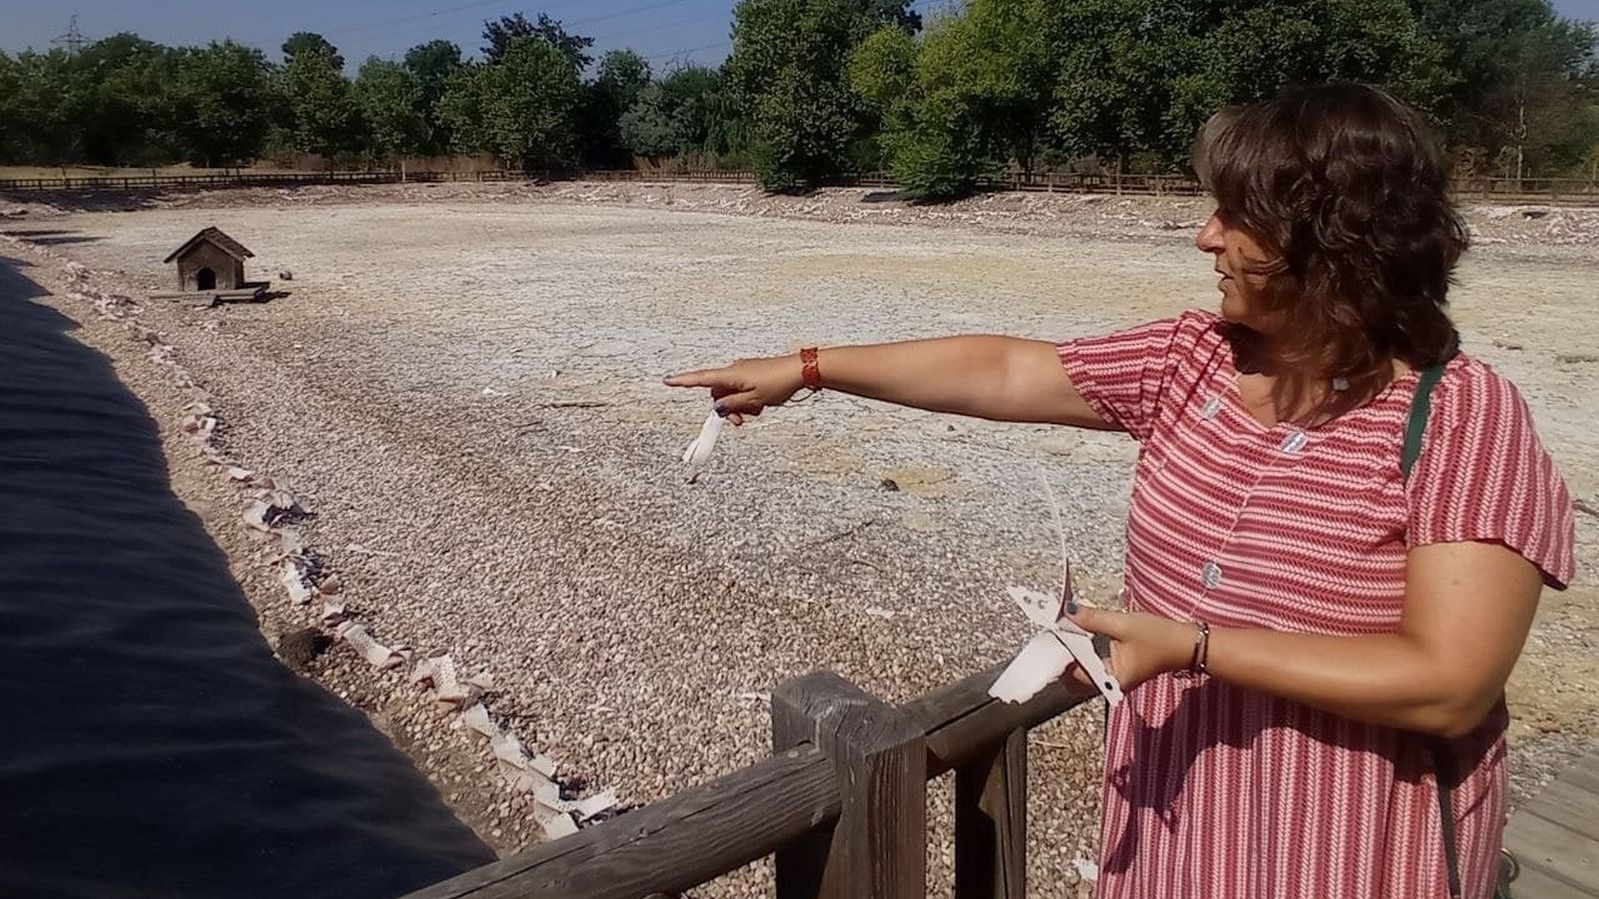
(878, 848)
(991, 822)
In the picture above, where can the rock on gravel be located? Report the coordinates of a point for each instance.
(300, 648)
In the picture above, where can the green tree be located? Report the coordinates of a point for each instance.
(970, 98)
(501, 33)
(1143, 75)
(390, 101)
(325, 118)
(726, 124)
(460, 109)
(787, 65)
(37, 107)
(10, 113)
(690, 112)
(882, 69)
(1269, 45)
(1588, 167)
(893, 12)
(649, 128)
(126, 112)
(949, 144)
(919, 143)
(1106, 101)
(49, 108)
(522, 108)
(431, 65)
(621, 76)
(1521, 90)
(224, 103)
(313, 43)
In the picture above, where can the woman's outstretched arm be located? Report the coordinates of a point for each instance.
(997, 378)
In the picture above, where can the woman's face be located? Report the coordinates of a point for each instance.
(1239, 257)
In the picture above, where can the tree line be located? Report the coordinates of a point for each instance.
(817, 88)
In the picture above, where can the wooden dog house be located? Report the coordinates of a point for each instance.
(210, 261)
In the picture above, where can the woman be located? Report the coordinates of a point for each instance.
(1318, 632)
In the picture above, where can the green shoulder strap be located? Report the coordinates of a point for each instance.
(1442, 758)
(1420, 409)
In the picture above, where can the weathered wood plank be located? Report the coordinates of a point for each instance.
(991, 823)
(791, 803)
(1583, 773)
(1535, 884)
(962, 720)
(800, 865)
(669, 845)
(877, 848)
(1556, 851)
(1567, 804)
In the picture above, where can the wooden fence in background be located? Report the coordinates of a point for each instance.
(842, 804)
(221, 180)
(1506, 190)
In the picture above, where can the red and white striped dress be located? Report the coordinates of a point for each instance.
(1213, 791)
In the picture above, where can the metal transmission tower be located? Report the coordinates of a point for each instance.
(73, 39)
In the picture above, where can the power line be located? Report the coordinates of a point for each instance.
(625, 12)
(690, 50)
(610, 38)
(412, 23)
(368, 26)
(415, 17)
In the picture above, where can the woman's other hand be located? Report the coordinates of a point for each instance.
(1141, 645)
(747, 386)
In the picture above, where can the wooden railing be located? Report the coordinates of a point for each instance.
(217, 180)
(212, 180)
(681, 176)
(1533, 190)
(842, 804)
(1067, 182)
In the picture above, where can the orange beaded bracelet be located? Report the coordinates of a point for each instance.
(810, 374)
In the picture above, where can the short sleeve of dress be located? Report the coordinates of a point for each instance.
(1123, 375)
(1484, 476)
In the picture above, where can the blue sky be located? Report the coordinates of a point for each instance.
(664, 30)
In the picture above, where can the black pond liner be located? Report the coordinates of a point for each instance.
(152, 746)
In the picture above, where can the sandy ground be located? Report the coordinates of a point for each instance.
(467, 385)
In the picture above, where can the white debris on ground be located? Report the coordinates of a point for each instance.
(699, 450)
(1087, 869)
(1528, 226)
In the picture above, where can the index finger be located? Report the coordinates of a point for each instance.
(705, 377)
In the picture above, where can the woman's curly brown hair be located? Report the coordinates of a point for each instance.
(1346, 186)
